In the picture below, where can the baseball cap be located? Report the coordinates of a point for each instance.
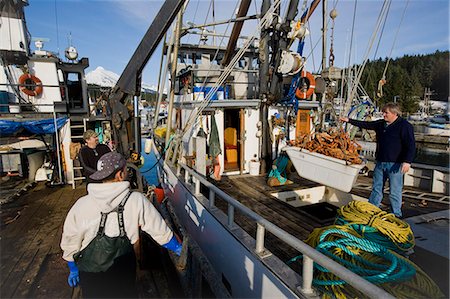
(88, 134)
(107, 165)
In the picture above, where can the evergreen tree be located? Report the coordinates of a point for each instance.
(407, 77)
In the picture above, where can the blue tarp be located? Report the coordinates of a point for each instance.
(44, 126)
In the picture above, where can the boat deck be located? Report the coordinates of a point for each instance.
(253, 192)
(31, 227)
(31, 263)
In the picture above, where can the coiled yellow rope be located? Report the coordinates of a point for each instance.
(396, 230)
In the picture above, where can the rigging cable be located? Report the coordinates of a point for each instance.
(369, 47)
(350, 55)
(313, 47)
(193, 114)
(206, 19)
(393, 44)
(264, 21)
(193, 20)
(378, 45)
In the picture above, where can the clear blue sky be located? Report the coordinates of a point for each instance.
(109, 31)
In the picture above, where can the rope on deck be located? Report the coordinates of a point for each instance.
(366, 240)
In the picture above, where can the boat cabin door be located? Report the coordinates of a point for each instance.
(303, 123)
(234, 140)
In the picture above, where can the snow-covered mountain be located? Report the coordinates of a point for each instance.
(102, 77)
(106, 78)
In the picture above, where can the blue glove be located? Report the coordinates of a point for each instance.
(74, 278)
(174, 245)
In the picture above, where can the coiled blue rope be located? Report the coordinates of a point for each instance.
(394, 268)
(371, 233)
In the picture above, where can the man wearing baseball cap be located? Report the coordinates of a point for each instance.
(90, 153)
(101, 228)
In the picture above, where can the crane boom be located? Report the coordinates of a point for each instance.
(129, 82)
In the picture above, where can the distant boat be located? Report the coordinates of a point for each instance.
(437, 125)
(440, 119)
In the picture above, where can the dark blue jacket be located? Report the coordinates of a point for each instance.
(395, 142)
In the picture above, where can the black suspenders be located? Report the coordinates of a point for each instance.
(119, 210)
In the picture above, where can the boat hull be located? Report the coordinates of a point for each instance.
(243, 273)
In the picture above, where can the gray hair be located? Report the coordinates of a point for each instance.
(393, 108)
(88, 134)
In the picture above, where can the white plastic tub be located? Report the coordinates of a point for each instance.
(254, 167)
(322, 169)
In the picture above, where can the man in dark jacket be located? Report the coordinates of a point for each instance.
(90, 153)
(396, 149)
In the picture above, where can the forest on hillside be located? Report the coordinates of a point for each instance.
(406, 79)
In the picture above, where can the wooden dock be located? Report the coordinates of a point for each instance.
(31, 263)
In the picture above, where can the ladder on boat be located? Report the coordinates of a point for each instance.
(77, 128)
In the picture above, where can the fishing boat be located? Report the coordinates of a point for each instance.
(40, 91)
(219, 145)
(225, 125)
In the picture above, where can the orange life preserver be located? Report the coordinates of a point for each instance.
(303, 92)
(30, 85)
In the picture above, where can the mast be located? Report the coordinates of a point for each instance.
(324, 34)
(324, 61)
(173, 74)
(237, 27)
(263, 85)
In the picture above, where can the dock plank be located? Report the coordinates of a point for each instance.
(21, 238)
(24, 257)
(52, 231)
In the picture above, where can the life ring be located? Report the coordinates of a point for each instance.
(30, 85)
(307, 85)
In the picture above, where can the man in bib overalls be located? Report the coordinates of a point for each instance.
(101, 228)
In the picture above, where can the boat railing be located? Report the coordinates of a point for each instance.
(310, 255)
(16, 108)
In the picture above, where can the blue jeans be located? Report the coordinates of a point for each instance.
(383, 171)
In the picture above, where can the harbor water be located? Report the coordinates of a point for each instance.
(433, 157)
(148, 170)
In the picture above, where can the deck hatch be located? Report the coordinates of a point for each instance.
(322, 212)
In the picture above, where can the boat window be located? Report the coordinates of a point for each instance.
(75, 94)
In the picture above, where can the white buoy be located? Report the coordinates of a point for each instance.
(148, 146)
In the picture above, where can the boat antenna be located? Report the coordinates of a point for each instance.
(57, 27)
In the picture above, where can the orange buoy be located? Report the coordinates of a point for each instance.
(306, 86)
(159, 193)
(30, 85)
